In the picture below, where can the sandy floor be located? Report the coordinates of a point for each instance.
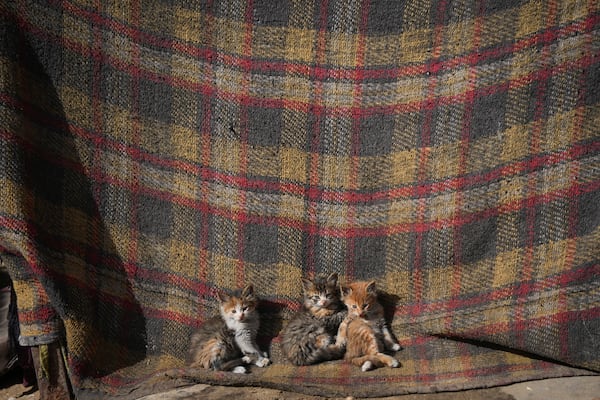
(11, 388)
(577, 388)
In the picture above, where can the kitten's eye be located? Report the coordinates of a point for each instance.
(353, 305)
(365, 306)
(329, 296)
(245, 309)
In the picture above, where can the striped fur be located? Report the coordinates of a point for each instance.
(309, 337)
(364, 333)
(226, 342)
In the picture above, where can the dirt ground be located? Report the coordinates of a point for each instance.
(11, 388)
(576, 388)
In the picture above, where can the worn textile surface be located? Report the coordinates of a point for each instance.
(155, 153)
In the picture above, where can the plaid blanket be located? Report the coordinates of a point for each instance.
(154, 153)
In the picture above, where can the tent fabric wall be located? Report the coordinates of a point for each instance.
(155, 153)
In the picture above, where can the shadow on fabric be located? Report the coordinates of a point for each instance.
(83, 275)
(271, 322)
(390, 305)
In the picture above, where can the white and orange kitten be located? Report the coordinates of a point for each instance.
(228, 341)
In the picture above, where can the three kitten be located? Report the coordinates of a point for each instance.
(332, 324)
(309, 336)
(228, 341)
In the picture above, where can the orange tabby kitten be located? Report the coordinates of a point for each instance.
(364, 332)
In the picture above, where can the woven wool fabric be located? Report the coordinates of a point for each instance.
(154, 153)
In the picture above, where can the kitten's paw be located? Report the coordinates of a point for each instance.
(394, 363)
(247, 360)
(367, 366)
(323, 340)
(239, 370)
(262, 362)
(395, 347)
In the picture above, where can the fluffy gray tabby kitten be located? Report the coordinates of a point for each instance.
(226, 342)
(309, 336)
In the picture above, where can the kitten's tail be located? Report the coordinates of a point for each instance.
(235, 365)
(327, 353)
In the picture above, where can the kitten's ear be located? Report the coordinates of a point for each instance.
(223, 297)
(248, 291)
(371, 288)
(346, 290)
(307, 285)
(332, 279)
